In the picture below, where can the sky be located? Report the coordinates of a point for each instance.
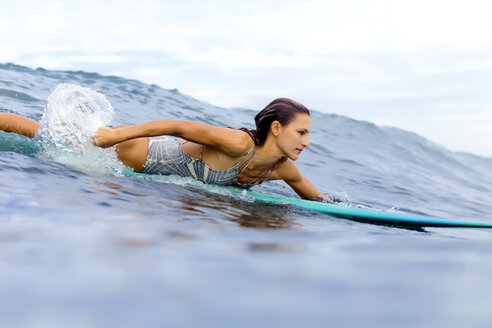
(423, 66)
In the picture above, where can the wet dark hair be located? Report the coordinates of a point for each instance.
(282, 110)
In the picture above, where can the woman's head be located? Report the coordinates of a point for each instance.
(283, 110)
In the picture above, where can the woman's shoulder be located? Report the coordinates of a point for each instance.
(237, 143)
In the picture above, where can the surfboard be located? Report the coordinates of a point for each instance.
(334, 210)
(363, 214)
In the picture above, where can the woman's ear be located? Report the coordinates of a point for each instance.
(275, 128)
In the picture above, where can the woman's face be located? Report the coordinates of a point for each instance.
(293, 137)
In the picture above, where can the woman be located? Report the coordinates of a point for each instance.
(208, 153)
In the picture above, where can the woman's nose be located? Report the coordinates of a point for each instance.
(306, 142)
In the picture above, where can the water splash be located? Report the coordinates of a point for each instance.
(73, 114)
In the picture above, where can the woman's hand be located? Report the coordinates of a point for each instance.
(324, 199)
(105, 137)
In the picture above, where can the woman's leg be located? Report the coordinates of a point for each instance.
(18, 124)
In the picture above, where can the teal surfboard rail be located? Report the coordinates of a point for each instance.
(365, 214)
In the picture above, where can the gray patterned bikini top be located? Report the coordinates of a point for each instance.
(166, 156)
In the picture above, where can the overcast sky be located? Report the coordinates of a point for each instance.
(425, 66)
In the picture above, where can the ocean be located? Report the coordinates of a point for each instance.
(85, 242)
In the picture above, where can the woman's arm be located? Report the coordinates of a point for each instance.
(230, 141)
(289, 172)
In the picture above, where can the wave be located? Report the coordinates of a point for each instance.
(382, 166)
